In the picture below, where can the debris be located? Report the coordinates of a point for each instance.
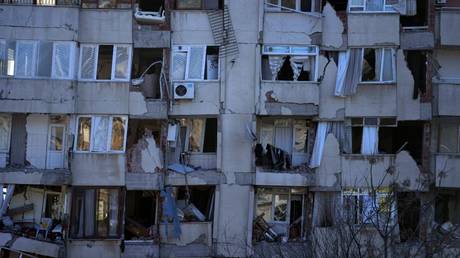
(263, 231)
(179, 168)
(192, 210)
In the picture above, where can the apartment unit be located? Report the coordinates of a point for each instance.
(229, 128)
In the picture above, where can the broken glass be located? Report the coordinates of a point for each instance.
(118, 133)
(84, 133)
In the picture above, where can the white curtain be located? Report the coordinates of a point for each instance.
(411, 7)
(6, 202)
(101, 125)
(344, 58)
(122, 62)
(370, 140)
(113, 212)
(88, 62)
(320, 139)
(297, 64)
(25, 58)
(275, 65)
(61, 62)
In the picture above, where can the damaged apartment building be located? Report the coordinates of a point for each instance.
(229, 128)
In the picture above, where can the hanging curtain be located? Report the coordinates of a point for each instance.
(353, 74)
(297, 64)
(370, 140)
(275, 65)
(378, 63)
(411, 7)
(101, 125)
(320, 139)
(344, 59)
(338, 129)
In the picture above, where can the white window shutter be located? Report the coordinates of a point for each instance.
(196, 62)
(62, 60)
(179, 61)
(88, 59)
(121, 65)
(25, 58)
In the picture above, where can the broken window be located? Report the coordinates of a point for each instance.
(199, 4)
(53, 205)
(283, 143)
(151, 6)
(447, 207)
(289, 63)
(378, 65)
(372, 5)
(408, 215)
(280, 212)
(369, 207)
(101, 133)
(140, 214)
(202, 135)
(415, 17)
(417, 62)
(293, 5)
(196, 203)
(195, 63)
(105, 62)
(96, 213)
(31, 59)
(147, 65)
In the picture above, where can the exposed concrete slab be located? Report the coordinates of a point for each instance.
(102, 98)
(37, 96)
(205, 102)
(145, 156)
(93, 248)
(105, 26)
(30, 245)
(40, 23)
(290, 109)
(413, 40)
(284, 179)
(35, 176)
(145, 37)
(332, 28)
(192, 250)
(140, 249)
(98, 169)
(142, 108)
(328, 173)
(371, 29)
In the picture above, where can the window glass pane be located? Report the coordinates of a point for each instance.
(196, 62)
(61, 65)
(88, 62)
(195, 135)
(210, 135)
(118, 133)
(288, 4)
(306, 5)
(104, 62)
(5, 127)
(84, 133)
(121, 63)
(357, 2)
(371, 64)
(102, 212)
(280, 213)
(45, 54)
(90, 198)
(3, 57)
(387, 65)
(56, 138)
(179, 63)
(211, 4)
(277, 49)
(25, 59)
(101, 125)
(374, 5)
(264, 205)
(303, 50)
(113, 212)
(188, 4)
(11, 55)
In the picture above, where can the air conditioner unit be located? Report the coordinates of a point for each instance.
(184, 90)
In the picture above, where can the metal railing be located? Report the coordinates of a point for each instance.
(42, 2)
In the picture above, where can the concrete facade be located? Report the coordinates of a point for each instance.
(122, 170)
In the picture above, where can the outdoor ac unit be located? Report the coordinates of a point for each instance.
(184, 90)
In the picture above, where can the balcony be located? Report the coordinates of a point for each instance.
(37, 96)
(205, 101)
(449, 19)
(32, 176)
(447, 170)
(372, 100)
(102, 98)
(446, 102)
(290, 98)
(105, 26)
(369, 29)
(97, 169)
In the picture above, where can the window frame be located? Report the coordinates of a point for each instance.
(186, 48)
(74, 213)
(34, 59)
(386, 8)
(72, 45)
(113, 65)
(109, 135)
(291, 52)
(298, 7)
(382, 59)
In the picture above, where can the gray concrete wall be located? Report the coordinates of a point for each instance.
(190, 27)
(98, 169)
(147, 38)
(40, 23)
(448, 170)
(102, 98)
(448, 103)
(449, 20)
(139, 107)
(105, 26)
(290, 28)
(37, 96)
(372, 29)
(205, 102)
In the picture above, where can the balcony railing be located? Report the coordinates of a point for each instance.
(42, 2)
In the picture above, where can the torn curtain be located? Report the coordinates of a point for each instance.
(348, 72)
